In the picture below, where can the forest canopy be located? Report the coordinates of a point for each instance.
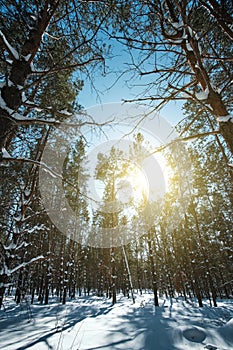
(180, 50)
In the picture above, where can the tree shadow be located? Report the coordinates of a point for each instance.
(149, 328)
(56, 318)
(132, 327)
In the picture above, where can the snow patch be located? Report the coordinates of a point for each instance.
(191, 32)
(188, 46)
(225, 118)
(19, 117)
(10, 246)
(65, 112)
(178, 25)
(229, 325)
(27, 58)
(10, 83)
(5, 153)
(33, 17)
(202, 95)
(92, 322)
(175, 41)
(9, 61)
(24, 97)
(38, 71)
(4, 106)
(36, 229)
(184, 94)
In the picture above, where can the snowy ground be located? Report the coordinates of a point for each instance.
(92, 323)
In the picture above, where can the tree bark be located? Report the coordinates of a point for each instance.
(10, 93)
(202, 76)
(153, 273)
(3, 281)
(113, 276)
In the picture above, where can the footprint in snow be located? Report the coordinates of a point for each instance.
(194, 334)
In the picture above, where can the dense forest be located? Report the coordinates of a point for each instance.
(49, 49)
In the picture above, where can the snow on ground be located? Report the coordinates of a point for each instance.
(93, 323)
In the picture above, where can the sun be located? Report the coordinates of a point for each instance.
(133, 186)
(140, 185)
(145, 183)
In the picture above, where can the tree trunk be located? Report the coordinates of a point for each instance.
(198, 295)
(20, 70)
(129, 274)
(2, 292)
(64, 296)
(33, 295)
(226, 130)
(113, 277)
(153, 274)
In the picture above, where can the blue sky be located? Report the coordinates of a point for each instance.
(88, 98)
(114, 86)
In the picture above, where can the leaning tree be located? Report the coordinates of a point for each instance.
(45, 47)
(181, 50)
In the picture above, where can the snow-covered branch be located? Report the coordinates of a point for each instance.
(40, 257)
(11, 51)
(225, 119)
(6, 271)
(184, 139)
(31, 161)
(68, 67)
(215, 10)
(21, 120)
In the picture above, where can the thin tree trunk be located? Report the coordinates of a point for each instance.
(113, 277)
(152, 266)
(129, 273)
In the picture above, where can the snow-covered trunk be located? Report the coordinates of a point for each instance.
(113, 276)
(129, 273)
(41, 289)
(72, 277)
(66, 280)
(3, 283)
(32, 294)
(18, 292)
(101, 277)
(85, 276)
(11, 97)
(61, 273)
(152, 268)
(46, 286)
(139, 271)
(226, 129)
(79, 271)
(210, 95)
(192, 270)
(3, 273)
(197, 291)
(189, 41)
(204, 252)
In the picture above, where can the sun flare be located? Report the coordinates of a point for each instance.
(140, 184)
(144, 183)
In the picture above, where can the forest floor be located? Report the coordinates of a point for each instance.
(89, 323)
